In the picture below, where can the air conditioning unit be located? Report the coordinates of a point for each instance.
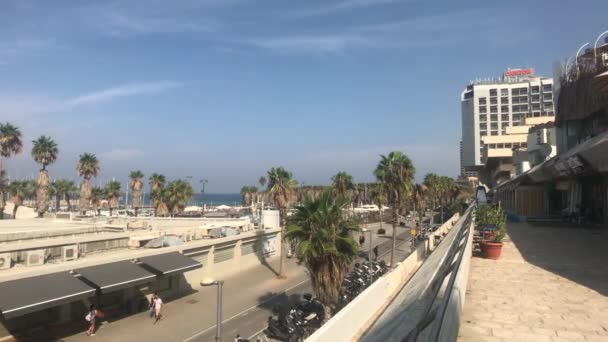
(69, 252)
(34, 258)
(5, 261)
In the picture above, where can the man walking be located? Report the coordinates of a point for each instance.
(375, 253)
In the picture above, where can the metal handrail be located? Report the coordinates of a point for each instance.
(434, 314)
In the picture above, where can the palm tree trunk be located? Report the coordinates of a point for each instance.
(395, 224)
(57, 203)
(110, 211)
(282, 258)
(67, 199)
(15, 207)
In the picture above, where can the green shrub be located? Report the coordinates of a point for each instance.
(486, 215)
(381, 231)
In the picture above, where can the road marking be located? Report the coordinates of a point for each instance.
(246, 310)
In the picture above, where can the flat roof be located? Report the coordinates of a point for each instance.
(40, 225)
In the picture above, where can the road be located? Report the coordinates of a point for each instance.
(252, 322)
(247, 302)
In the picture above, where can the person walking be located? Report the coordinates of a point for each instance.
(91, 317)
(151, 306)
(158, 303)
(361, 240)
(375, 250)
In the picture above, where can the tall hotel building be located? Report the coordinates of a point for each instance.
(496, 115)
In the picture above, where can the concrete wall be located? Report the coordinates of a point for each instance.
(354, 319)
(453, 315)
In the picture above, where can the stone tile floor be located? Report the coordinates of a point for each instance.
(550, 284)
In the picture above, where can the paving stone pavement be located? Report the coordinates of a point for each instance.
(550, 284)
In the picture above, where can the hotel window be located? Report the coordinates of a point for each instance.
(494, 125)
(482, 101)
(547, 96)
(504, 92)
(483, 126)
(500, 145)
(504, 109)
(504, 131)
(504, 117)
(483, 133)
(523, 99)
(483, 110)
(523, 108)
(536, 106)
(492, 145)
(483, 118)
(493, 109)
(494, 133)
(550, 113)
(508, 145)
(547, 88)
(535, 98)
(494, 117)
(504, 100)
(515, 123)
(493, 100)
(492, 92)
(534, 89)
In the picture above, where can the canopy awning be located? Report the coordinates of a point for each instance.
(22, 296)
(116, 275)
(170, 263)
(593, 151)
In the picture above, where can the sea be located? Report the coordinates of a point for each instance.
(208, 199)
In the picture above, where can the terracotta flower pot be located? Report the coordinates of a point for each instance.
(492, 250)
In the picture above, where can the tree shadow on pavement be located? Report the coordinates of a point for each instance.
(272, 300)
(571, 252)
(258, 249)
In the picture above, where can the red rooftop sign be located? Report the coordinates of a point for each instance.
(519, 72)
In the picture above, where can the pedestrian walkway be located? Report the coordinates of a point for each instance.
(193, 317)
(550, 284)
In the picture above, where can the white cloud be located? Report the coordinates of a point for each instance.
(315, 44)
(121, 154)
(340, 6)
(15, 48)
(122, 91)
(117, 24)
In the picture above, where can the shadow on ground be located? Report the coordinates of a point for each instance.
(576, 253)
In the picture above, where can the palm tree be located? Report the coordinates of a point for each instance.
(20, 190)
(176, 194)
(10, 145)
(247, 193)
(97, 196)
(378, 197)
(396, 172)
(112, 191)
(44, 152)
(342, 183)
(88, 167)
(136, 184)
(322, 233)
(63, 188)
(262, 181)
(418, 197)
(157, 184)
(3, 190)
(281, 186)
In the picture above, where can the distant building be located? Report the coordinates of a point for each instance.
(496, 116)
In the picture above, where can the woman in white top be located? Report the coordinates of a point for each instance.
(158, 303)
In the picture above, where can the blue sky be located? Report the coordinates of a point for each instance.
(226, 89)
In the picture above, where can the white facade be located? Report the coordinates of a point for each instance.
(489, 107)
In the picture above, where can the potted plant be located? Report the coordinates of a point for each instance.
(493, 247)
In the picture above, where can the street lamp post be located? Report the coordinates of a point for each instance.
(203, 183)
(369, 254)
(219, 284)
